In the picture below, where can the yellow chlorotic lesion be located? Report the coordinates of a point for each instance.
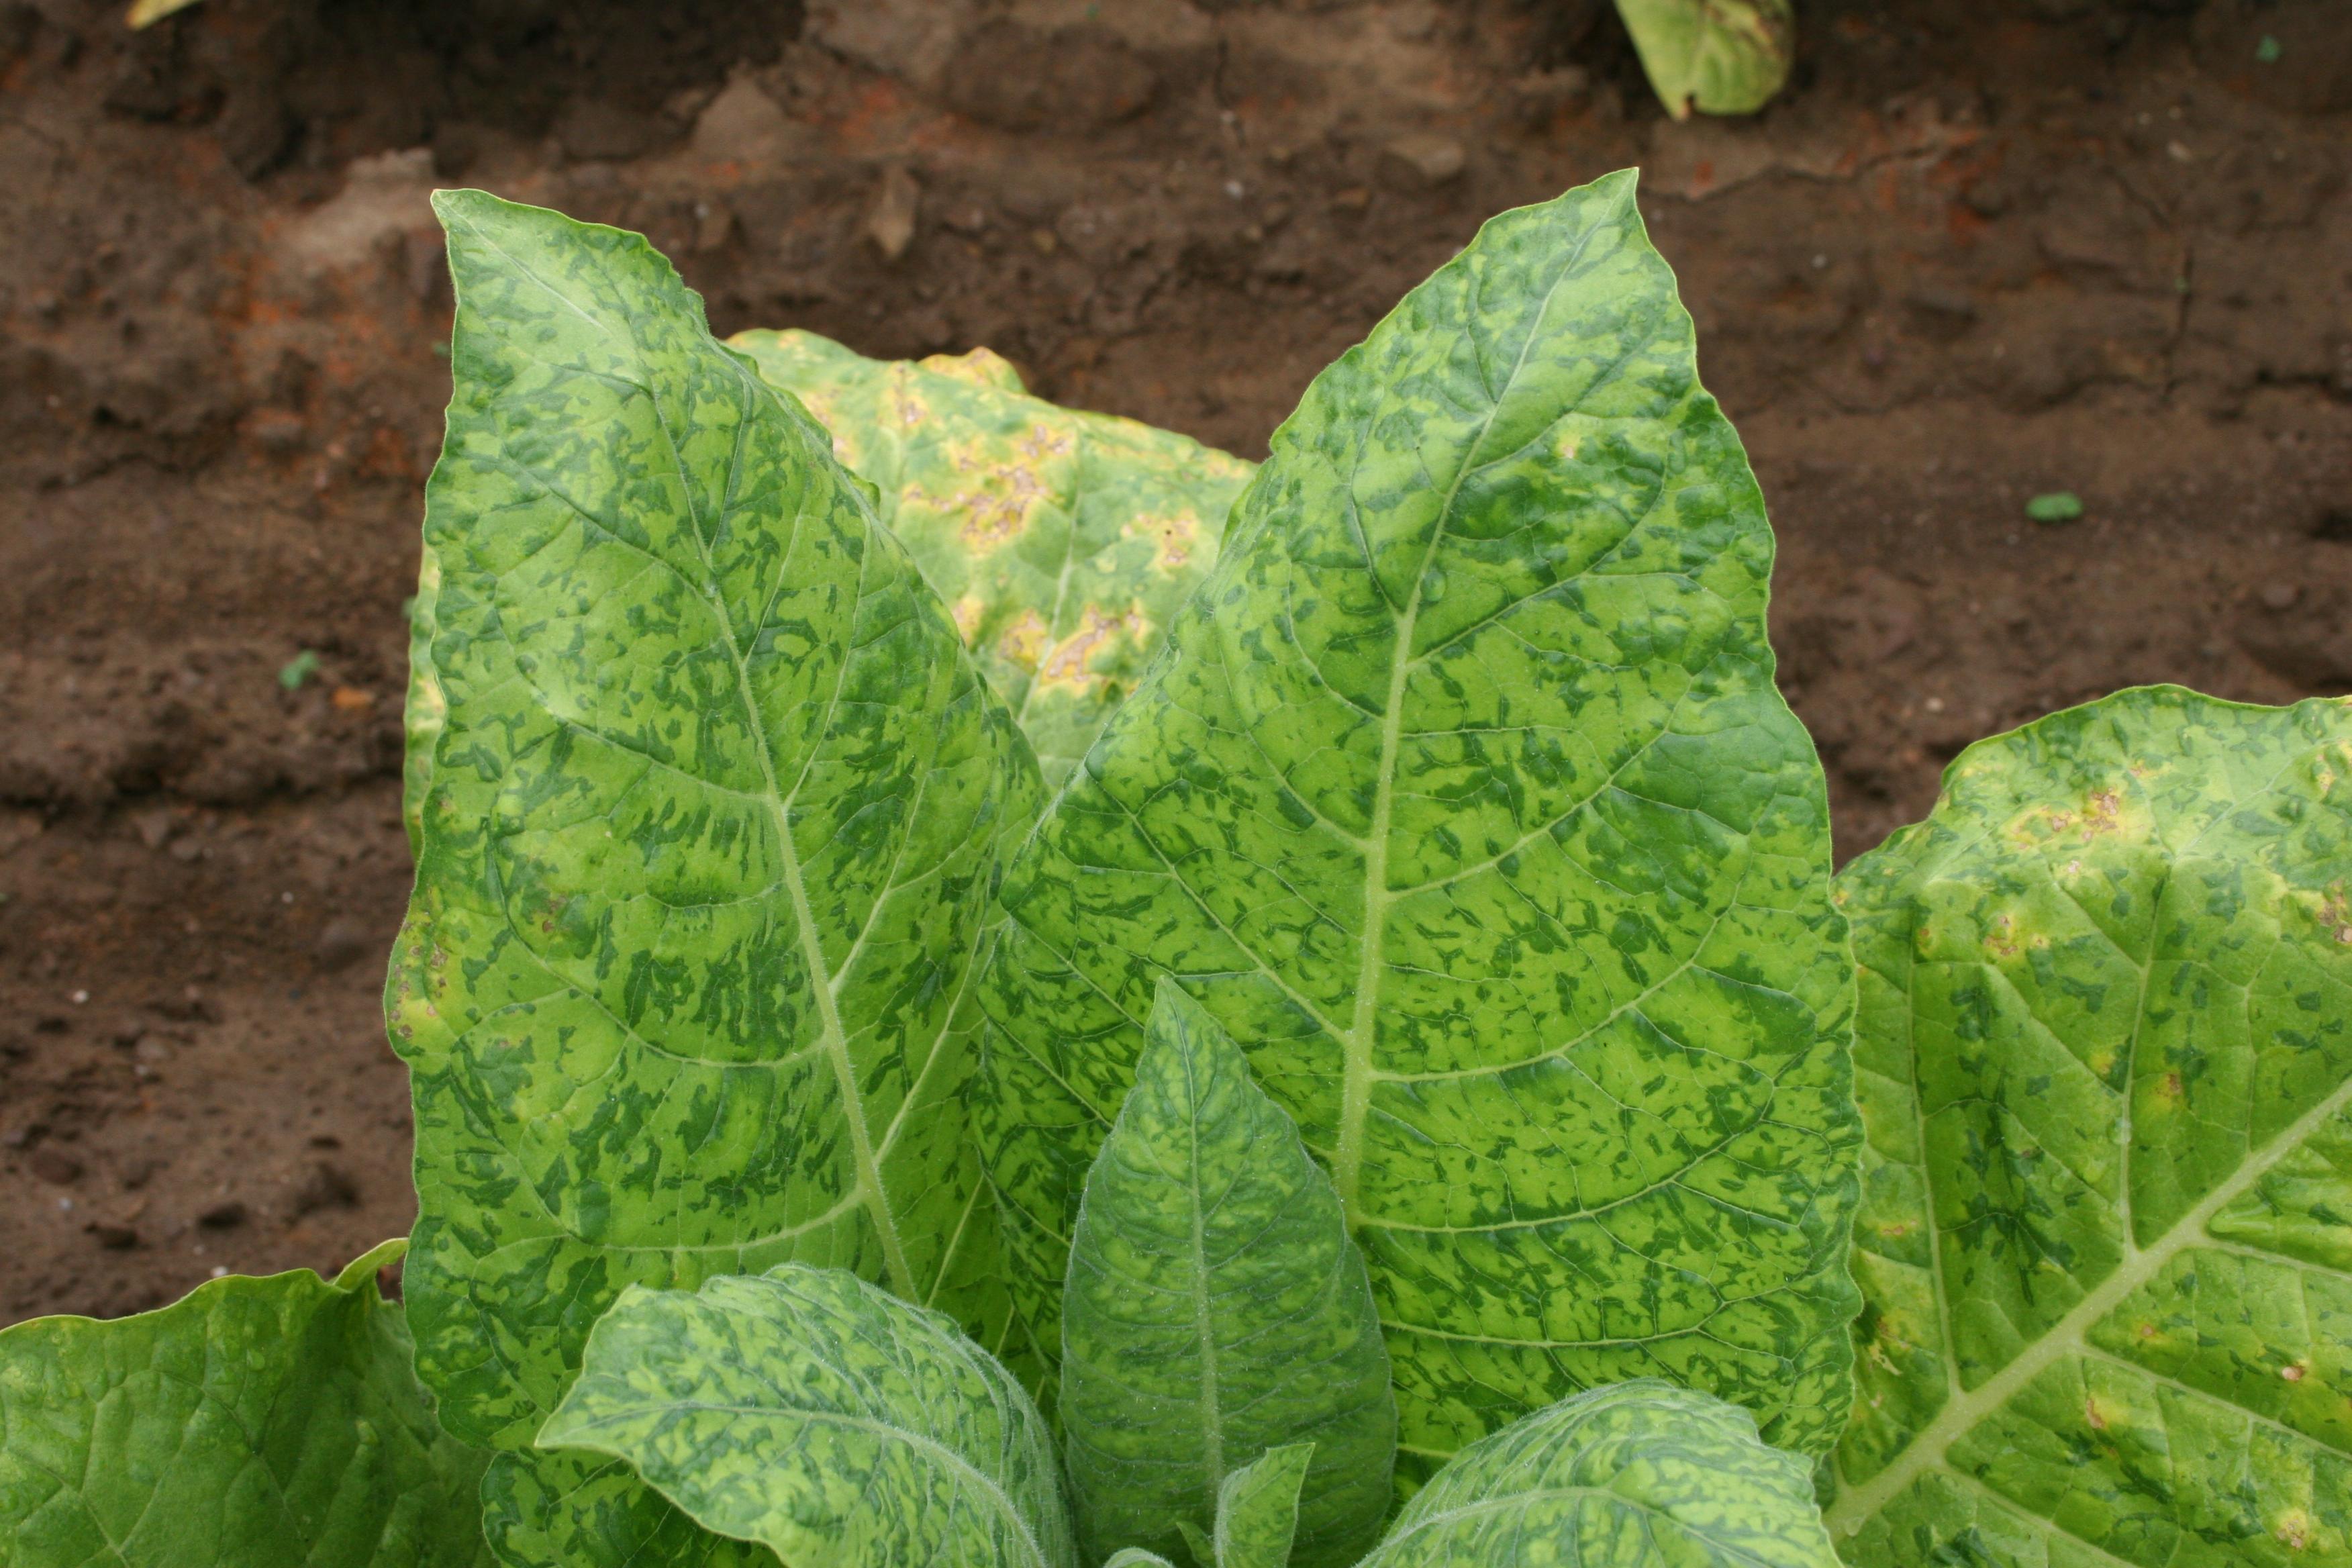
(967, 611)
(1173, 538)
(984, 368)
(1067, 665)
(1023, 642)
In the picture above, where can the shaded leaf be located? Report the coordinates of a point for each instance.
(1641, 1474)
(825, 1418)
(258, 1421)
(1462, 796)
(2105, 1065)
(581, 1510)
(1718, 57)
(1216, 1309)
(1063, 542)
(709, 847)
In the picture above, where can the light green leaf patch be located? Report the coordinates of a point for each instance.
(1257, 1516)
(255, 1422)
(582, 1509)
(1258, 1510)
(1215, 1309)
(1063, 542)
(819, 1415)
(1463, 799)
(2106, 1053)
(1718, 57)
(709, 847)
(1643, 1475)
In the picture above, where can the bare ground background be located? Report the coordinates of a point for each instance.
(1981, 249)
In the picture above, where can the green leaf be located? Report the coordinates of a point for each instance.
(825, 1418)
(1216, 1309)
(1258, 1510)
(1463, 798)
(684, 985)
(2106, 1066)
(579, 1509)
(1638, 1475)
(1063, 542)
(1719, 56)
(254, 1422)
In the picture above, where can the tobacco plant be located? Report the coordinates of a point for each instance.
(1383, 1092)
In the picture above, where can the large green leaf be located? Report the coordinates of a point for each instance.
(1718, 57)
(1462, 796)
(1063, 542)
(254, 1422)
(1643, 1475)
(822, 1417)
(1216, 1309)
(709, 846)
(2106, 1053)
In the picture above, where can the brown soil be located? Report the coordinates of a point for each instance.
(1978, 250)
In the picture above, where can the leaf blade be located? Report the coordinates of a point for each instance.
(1064, 542)
(1217, 1314)
(1462, 795)
(263, 1421)
(814, 1414)
(2101, 965)
(1258, 1509)
(1636, 1474)
(685, 987)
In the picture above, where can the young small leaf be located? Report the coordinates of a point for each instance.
(1640, 1475)
(1216, 1309)
(1063, 542)
(1258, 1510)
(1462, 796)
(1718, 57)
(270, 1423)
(824, 1418)
(2106, 1053)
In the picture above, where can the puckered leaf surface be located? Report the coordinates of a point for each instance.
(1718, 57)
(1643, 1475)
(1463, 798)
(2106, 1053)
(1216, 1309)
(710, 844)
(825, 1418)
(1063, 542)
(576, 1508)
(257, 1422)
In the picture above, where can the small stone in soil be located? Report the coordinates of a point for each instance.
(224, 1217)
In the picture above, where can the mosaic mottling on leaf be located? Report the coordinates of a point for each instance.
(1065, 541)
(1463, 800)
(2105, 1060)
(708, 850)
(1640, 1475)
(1216, 1310)
(825, 1419)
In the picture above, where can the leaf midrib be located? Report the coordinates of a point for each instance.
(1356, 1084)
(1928, 1450)
(833, 1037)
